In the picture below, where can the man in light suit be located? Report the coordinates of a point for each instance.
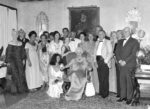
(126, 57)
(103, 54)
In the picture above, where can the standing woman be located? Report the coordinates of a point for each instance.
(15, 70)
(65, 49)
(43, 57)
(33, 74)
(92, 56)
(112, 70)
(55, 45)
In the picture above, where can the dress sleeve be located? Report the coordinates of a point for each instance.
(27, 46)
(8, 54)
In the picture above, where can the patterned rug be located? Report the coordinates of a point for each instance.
(40, 100)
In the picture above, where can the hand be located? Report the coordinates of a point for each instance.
(123, 63)
(30, 64)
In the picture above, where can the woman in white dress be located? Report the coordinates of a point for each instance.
(55, 77)
(55, 45)
(43, 57)
(112, 74)
(33, 74)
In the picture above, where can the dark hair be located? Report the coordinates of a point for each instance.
(45, 32)
(65, 29)
(43, 35)
(51, 34)
(85, 38)
(31, 33)
(56, 32)
(54, 59)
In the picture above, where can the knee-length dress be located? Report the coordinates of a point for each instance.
(33, 73)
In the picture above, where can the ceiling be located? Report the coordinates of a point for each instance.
(32, 0)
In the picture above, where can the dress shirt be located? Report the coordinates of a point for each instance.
(99, 49)
(125, 40)
(74, 44)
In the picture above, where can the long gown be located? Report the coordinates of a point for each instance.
(33, 73)
(44, 62)
(113, 76)
(14, 56)
(55, 88)
(78, 82)
(90, 50)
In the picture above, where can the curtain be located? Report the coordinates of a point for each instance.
(8, 21)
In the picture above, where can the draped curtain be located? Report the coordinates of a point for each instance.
(8, 21)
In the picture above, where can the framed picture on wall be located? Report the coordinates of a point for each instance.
(83, 19)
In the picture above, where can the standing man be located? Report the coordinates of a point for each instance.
(126, 57)
(103, 54)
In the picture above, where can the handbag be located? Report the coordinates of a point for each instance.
(89, 89)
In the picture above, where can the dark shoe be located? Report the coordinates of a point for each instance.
(128, 102)
(121, 99)
(118, 96)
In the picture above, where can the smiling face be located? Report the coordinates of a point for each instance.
(33, 38)
(57, 59)
(91, 37)
(82, 37)
(57, 36)
(67, 40)
(113, 37)
(43, 39)
(101, 35)
(126, 32)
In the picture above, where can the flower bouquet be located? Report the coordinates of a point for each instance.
(143, 57)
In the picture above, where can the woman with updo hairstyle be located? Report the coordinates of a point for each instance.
(33, 73)
(55, 45)
(44, 58)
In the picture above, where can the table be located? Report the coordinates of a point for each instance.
(144, 82)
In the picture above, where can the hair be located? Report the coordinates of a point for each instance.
(54, 59)
(31, 33)
(65, 39)
(113, 33)
(103, 31)
(98, 26)
(65, 29)
(45, 32)
(42, 36)
(56, 32)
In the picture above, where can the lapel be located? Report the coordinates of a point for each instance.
(128, 41)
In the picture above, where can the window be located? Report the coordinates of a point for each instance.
(42, 23)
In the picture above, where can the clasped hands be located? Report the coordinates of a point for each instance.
(122, 63)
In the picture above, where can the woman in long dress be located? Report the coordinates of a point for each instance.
(43, 57)
(112, 74)
(55, 77)
(15, 54)
(33, 73)
(91, 56)
(78, 76)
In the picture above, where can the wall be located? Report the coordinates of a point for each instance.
(112, 13)
(11, 3)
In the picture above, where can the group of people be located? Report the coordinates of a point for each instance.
(67, 63)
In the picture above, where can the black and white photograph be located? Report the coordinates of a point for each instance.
(74, 54)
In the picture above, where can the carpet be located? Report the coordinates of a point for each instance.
(40, 100)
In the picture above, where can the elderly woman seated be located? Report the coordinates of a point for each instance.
(77, 76)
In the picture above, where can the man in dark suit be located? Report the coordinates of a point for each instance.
(126, 57)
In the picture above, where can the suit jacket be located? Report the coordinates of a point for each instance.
(107, 51)
(127, 52)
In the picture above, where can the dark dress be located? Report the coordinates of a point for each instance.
(67, 49)
(24, 41)
(14, 56)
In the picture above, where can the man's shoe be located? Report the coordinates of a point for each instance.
(128, 102)
(118, 96)
(121, 99)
